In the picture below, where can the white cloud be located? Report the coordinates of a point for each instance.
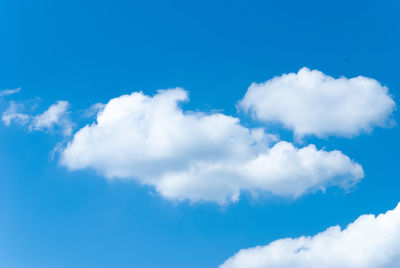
(7, 92)
(369, 242)
(55, 116)
(198, 156)
(311, 102)
(13, 114)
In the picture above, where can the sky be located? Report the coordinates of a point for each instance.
(175, 134)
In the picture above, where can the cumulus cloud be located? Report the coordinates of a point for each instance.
(369, 242)
(7, 92)
(197, 156)
(310, 102)
(55, 117)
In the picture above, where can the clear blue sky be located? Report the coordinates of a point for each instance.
(91, 51)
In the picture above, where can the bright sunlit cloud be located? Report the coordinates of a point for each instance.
(368, 242)
(311, 102)
(195, 156)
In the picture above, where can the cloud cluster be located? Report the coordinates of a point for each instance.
(55, 117)
(187, 155)
(368, 242)
(196, 156)
(310, 102)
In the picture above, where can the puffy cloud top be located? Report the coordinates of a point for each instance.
(369, 242)
(198, 156)
(310, 102)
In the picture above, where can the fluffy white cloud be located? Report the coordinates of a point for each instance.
(198, 156)
(369, 242)
(55, 116)
(7, 92)
(311, 102)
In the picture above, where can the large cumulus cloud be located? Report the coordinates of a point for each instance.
(197, 156)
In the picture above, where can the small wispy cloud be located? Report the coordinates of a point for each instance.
(93, 110)
(14, 114)
(7, 92)
(56, 117)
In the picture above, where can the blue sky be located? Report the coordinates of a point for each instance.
(90, 52)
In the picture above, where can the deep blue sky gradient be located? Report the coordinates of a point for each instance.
(90, 51)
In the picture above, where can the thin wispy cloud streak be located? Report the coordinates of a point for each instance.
(7, 92)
